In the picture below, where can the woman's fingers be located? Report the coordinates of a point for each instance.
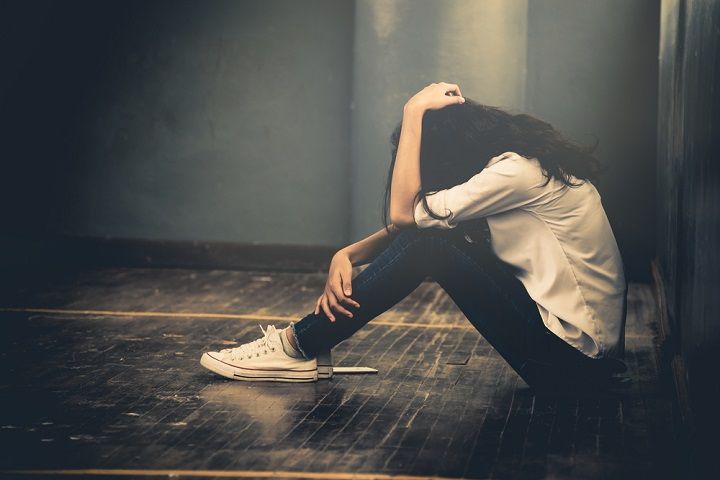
(336, 287)
(437, 95)
(317, 304)
(452, 87)
(327, 304)
(346, 287)
(345, 284)
(335, 303)
(326, 308)
(451, 94)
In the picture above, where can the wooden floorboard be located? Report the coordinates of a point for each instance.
(87, 390)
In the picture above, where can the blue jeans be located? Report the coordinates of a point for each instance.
(483, 287)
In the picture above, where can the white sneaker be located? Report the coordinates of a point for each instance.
(261, 360)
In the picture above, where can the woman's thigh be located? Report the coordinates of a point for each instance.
(489, 294)
(495, 301)
(481, 285)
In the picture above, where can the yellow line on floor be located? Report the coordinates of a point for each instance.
(223, 474)
(234, 316)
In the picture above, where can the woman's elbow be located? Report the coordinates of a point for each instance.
(403, 221)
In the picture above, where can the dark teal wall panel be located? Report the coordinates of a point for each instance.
(689, 192)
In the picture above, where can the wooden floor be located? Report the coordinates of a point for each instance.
(101, 378)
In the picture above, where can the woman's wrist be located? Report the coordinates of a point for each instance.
(412, 107)
(345, 252)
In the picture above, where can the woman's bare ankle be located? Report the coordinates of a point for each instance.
(290, 337)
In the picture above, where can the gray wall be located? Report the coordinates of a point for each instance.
(269, 121)
(400, 47)
(689, 201)
(222, 120)
(592, 73)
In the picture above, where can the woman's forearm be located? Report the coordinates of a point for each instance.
(365, 250)
(406, 172)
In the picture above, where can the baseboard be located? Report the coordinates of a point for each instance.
(68, 251)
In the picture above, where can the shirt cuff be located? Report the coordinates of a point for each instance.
(436, 202)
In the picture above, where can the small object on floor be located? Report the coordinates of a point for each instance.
(263, 359)
(352, 370)
(324, 364)
(326, 369)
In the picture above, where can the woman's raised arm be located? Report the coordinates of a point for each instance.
(406, 172)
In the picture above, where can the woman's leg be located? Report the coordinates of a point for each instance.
(482, 286)
(496, 302)
(395, 273)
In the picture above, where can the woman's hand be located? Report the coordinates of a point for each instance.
(337, 287)
(435, 96)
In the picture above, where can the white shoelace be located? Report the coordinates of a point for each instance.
(255, 348)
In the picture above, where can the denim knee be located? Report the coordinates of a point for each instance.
(415, 240)
(444, 238)
(410, 234)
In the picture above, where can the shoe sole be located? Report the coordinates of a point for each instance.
(256, 375)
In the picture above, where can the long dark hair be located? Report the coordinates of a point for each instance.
(459, 140)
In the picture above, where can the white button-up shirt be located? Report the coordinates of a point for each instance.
(559, 238)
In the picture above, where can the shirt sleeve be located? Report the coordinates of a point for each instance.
(510, 183)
